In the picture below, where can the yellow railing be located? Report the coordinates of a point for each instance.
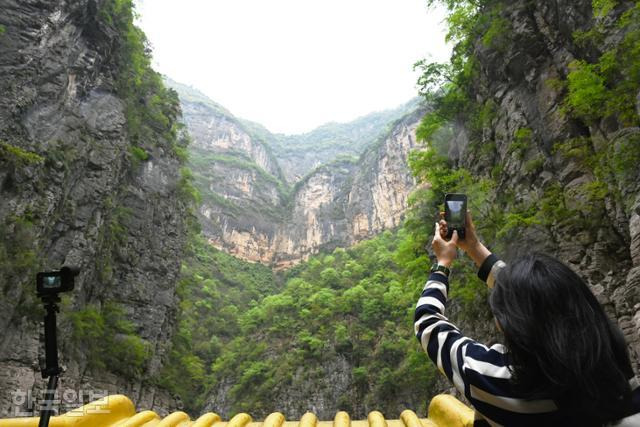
(119, 411)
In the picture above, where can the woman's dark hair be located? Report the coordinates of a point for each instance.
(560, 342)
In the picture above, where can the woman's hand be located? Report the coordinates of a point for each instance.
(470, 244)
(446, 251)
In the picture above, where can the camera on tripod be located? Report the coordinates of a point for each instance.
(48, 285)
(51, 283)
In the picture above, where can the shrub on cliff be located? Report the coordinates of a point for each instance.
(107, 340)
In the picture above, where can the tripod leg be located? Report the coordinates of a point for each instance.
(47, 409)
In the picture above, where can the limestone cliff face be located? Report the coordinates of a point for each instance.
(219, 134)
(381, 187)
(518, 78)
(215, 130)
(345, 202)
(318, 216)
(73, 193)
(250, 210)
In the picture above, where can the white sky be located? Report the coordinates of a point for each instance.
(292, 65)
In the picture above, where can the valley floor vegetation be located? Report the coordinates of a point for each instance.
(266, 333)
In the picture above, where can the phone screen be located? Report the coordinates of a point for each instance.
(457, 210)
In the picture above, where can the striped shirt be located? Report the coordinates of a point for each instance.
(481, 373)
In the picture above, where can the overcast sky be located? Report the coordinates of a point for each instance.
(292, 65)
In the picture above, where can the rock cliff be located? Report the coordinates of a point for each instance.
(544, 157)
(86, 179)
(277, 199)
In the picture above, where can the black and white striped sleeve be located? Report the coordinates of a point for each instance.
(440, 339)
(481, 373)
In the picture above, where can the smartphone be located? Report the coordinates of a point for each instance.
(455, 213)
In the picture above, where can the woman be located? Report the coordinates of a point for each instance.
(563, 363)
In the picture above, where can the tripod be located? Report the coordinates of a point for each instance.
(49, 284)
(51, 368)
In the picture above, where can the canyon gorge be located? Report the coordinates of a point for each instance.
(276, 199)
(228, 268)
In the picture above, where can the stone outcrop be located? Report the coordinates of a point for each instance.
(72, 193)
(517, 77)
(214, 130)
(379, 195)
(251, 210)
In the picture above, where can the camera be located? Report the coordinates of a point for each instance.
(53, 282)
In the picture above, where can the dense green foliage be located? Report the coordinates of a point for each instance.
(449, 86)
(351, 304)
(434, 168)
(606, 90)
(139, 154)
(608, 87)
(151, 109)
(107, 339)
(258, 333)
(354, 304)
(215, 289)
(267, 333)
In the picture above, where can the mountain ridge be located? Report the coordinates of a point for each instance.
(258, 206)
(193, 94)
